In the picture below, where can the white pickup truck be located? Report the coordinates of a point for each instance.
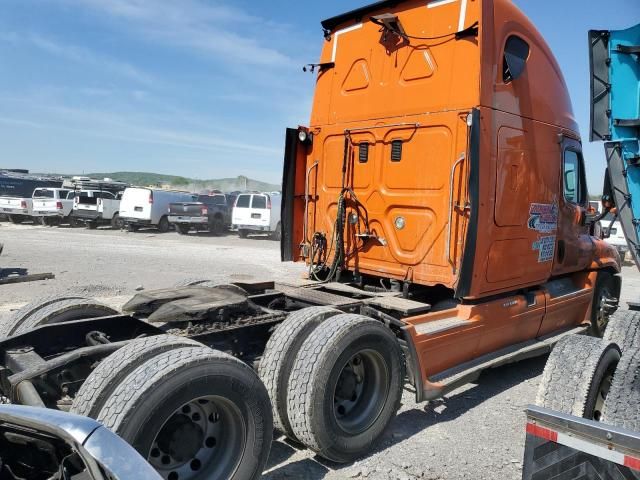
(52, 206)
(98, 208)
(16, 209)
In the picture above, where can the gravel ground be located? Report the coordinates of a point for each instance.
(476, 432)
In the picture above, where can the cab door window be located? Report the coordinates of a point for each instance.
(573, 178)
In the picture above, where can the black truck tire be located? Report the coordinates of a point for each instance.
(16, 218)
(132, 228)
(20, 316)
(621, 408)
(63, 311)
(280, 354)
(243, 233)
(624, 329)
(194, 413)
(345, 386)
(216, 225)
(163, 225)
(578, 375)
(182, 228)
(116, 223)
(607, 287)
(104, 379)
(277, 233)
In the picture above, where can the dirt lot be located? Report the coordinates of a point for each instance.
(474, 433)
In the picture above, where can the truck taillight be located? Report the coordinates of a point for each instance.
(204, 211)
(76, 200)
(23, 204)
(268, 203)
(150, 198)
(99, 201)
(59, 205)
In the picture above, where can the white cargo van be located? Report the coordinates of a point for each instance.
(148, 207)
(614, 235)
(52, 205)
(257, 213)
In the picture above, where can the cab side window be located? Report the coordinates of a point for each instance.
(516, 54)
(573, 180)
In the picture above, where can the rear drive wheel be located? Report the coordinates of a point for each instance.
(63, 311)
(92, 225)
(16, 219)
(163, 225)
(105, 378)
(621, 407)
(277, 233)
(194, 413)
(280, 354)
(183, 228)
(578, 375)
(345, 386)
(243, 233)
(624, 330)
(216, 226)
(116, 223)
(20, 316)
(605, 302)
(132, 228)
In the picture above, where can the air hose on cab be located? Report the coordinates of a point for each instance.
(319, 252)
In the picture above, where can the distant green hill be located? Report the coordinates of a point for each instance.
(224, 184)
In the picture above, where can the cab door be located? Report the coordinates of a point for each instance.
(573, 245)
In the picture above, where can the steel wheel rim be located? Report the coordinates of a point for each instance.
(202, 439)
(603, 391)
(602, 317)
(361, 391)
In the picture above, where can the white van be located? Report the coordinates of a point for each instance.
(149, 207)
(257, 213)
(614, 235)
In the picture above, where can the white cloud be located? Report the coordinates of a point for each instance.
(123, 127)
(192, 24)
(80, 55)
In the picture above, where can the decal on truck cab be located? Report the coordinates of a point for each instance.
(546, 247)
(543, 217)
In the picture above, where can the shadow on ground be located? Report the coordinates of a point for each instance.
(410, 422)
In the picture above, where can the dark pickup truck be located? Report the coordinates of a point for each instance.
(210, 213)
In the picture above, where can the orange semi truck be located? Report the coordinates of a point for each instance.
(439, 199)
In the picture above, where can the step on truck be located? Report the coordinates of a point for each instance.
(438, 198)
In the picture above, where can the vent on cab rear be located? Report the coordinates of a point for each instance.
(396, 150)
(363, 152)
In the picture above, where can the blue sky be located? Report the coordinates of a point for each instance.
(201, 88)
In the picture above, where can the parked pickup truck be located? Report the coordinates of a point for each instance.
(100, 208)
(51, 206)
(207, 212)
